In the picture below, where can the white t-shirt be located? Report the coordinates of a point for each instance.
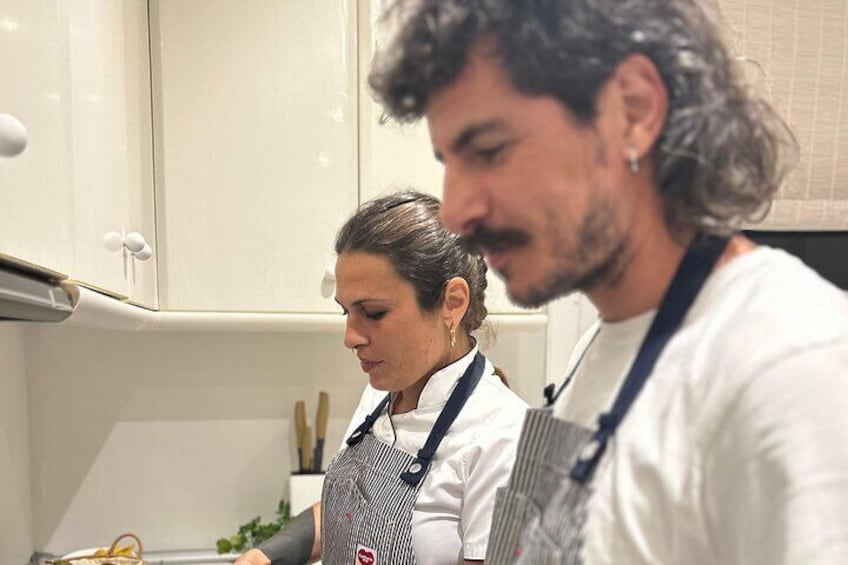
(453, 512)
(736, 450)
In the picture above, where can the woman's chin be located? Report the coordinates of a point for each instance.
(381, 384)
(377, 384)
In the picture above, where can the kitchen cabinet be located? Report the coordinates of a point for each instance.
(252, 114)
(397, 156)
(77, 75)
(255, 110)
(266, 142)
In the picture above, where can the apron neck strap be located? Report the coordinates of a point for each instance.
(692, 273)
(464, 387)
(421, 464)
(366, 426)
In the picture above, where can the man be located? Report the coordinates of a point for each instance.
(611, 147)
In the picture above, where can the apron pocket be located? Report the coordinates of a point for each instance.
(538, 548)
(513, 510)
(360, 534)
(556, 536)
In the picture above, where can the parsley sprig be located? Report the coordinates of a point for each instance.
(255, 532)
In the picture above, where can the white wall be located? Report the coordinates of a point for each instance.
(181, 437)
(16, 539)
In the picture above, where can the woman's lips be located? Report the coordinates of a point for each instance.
(368, 365)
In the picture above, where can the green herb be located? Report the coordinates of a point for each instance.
(254, 532)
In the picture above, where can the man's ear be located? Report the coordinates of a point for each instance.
(456, 301)
(644, 100)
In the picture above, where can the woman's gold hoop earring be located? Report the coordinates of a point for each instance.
(453, 336)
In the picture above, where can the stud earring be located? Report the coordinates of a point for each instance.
(634, 160)
(453, 336)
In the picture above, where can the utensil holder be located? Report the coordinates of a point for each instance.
(304, 491)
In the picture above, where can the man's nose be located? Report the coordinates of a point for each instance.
(463, 201)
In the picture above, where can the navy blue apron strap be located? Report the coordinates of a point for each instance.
(696, 266)
(464, 387)
(551, 392)
(366, 426)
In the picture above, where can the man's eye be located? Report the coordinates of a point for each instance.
(489, 154)
(375, 315)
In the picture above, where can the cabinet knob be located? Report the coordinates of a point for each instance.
(328, 283)
(145, 253)
(13, 136)
(113, 241)
(134, 242)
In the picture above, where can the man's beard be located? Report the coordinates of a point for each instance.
(598, 257)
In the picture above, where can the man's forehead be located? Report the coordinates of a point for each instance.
(475, 103)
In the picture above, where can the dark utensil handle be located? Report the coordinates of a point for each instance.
(319, 455)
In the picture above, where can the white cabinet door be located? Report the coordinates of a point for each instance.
(76, 74)
(256, 137)
(395, 157)
(36, 187)
(97, 133)
(141, 213)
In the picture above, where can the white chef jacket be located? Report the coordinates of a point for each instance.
(453, 512)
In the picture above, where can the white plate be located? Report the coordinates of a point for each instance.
(82, 552)
(90, 552)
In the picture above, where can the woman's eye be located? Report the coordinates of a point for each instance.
(375, 315)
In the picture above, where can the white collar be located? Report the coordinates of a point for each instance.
(440, 385)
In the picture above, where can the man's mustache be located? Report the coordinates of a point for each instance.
(492, 240)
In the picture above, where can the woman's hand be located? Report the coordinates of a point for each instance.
(253, 557)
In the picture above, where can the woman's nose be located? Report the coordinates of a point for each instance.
(352, 337)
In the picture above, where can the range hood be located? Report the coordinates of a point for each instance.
(27, 296)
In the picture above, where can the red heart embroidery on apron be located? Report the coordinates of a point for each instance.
(365, 557)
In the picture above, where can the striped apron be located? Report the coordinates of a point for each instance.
(370, 488)
(540, 516)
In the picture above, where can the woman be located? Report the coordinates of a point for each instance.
(435, 432)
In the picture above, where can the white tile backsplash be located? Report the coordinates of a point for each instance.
(182, 437)
(16, 541)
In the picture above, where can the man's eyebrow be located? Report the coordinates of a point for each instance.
(471, 132)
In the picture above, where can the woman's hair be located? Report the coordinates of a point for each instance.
(404, 228)
(723, 152)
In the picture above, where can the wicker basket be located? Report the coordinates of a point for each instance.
(110, 558)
